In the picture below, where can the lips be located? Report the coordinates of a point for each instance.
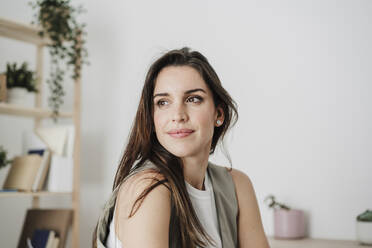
(177, 131)
(180, 133)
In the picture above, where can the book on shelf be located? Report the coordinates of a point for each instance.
(46, 224)
(55, 242)
(8, 190)
(60, 178)
(30, 141)
(42, 173)
(42, 238)
(28, 173)
(22, 173)
(3, 89)
(60, 139)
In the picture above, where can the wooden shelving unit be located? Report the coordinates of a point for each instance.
(10, 109)
(314, 243)
(33, 194)
(27, 33)
(21, 32)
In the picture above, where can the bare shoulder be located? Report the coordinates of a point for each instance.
(250, 228)
(132, 188)
(151, 216)
(240, 179)
(244, 188)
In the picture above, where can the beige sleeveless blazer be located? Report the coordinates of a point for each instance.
(226, 205)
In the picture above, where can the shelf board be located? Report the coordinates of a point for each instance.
(38, 193)
(15, 110)
(21, 32)
(312, 243)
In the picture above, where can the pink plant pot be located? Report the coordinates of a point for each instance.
(289, 224)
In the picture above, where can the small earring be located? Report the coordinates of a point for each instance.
(219, 122)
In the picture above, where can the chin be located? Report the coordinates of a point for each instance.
(180, 154)
(181, 151)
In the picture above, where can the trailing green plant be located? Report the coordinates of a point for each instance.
(274, 204)
(58, 20)
(366, 216)
(20, 77)
(3, 158)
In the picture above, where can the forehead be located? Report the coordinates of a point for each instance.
(179, 79)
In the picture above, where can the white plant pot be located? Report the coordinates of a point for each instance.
(18, 96)
(364, 232)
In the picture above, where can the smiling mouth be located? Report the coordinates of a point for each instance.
(180, 134)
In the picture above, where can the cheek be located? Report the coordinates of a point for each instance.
(158, 120)
(205, 120)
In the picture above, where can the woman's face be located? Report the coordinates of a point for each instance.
(184, 111)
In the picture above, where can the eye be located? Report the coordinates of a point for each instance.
(195, 99)
(161, 102)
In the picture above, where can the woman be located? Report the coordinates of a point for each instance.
(166, 193)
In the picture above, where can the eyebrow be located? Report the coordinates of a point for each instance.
(186, 92)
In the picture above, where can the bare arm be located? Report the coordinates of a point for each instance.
(149, 227)
(250, 230)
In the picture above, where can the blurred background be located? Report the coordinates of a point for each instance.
(300, 72)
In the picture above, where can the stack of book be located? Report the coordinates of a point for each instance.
(45, 228)
(28, 173)
(46, 163)
(43, 238)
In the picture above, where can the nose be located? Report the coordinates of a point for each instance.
(179, 113)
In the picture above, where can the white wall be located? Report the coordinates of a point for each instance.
(299, 71)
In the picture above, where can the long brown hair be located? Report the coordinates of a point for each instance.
(143, 144)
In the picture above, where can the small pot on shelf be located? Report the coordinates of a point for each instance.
(288, 223)
(364, 228)
(20, 83)
(17, 95)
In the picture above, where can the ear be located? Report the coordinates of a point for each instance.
(220, 116)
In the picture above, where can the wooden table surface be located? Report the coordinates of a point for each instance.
(314, 243)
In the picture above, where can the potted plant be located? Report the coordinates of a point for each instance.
(288, 223)
(58, 20)
(364, 227)
(3, 158)
(19, 81)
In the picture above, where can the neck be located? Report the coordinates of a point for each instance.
(194, 169)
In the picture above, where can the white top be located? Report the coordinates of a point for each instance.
(113, 240)
(205, 208)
